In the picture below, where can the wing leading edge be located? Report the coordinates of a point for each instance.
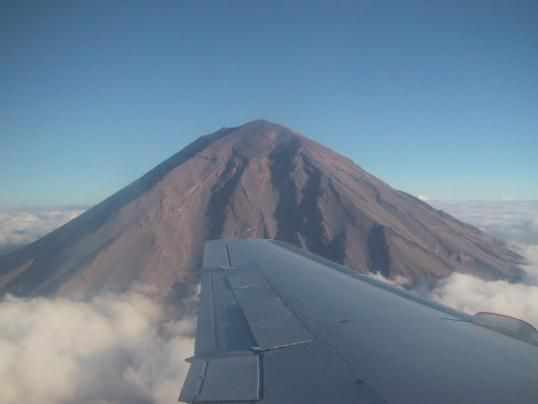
(278, 325)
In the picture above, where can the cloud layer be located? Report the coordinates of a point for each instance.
(113, 349)
(472, 295)
(517, 224)
(19, 227)
(127, 348)
(514, 221)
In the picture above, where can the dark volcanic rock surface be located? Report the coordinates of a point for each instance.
(259, 180)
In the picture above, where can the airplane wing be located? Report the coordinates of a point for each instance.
(279, 325)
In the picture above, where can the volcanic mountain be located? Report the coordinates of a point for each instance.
(259, 180)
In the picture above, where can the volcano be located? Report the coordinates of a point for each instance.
(259, 180)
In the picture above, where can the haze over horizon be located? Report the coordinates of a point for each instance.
(437, 99)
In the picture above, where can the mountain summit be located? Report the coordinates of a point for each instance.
(259, 180)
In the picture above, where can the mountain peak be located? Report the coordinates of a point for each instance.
(258, 180)
(263, 124)
(261, 129)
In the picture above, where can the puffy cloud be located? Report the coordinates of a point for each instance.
(471, 295)
(112, 349)
(516, 222)
(530, 252)
(398, 280)
(127, 348)
(19, 227)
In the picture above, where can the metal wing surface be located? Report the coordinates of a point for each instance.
(278, 325)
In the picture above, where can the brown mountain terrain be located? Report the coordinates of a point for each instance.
(259, 180)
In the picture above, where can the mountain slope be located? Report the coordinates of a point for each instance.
(259, 180)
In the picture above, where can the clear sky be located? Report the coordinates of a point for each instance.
(438, 98)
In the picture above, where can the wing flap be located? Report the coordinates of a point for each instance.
(234, 377)
(272, 324)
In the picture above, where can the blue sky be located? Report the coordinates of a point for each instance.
(438, 98)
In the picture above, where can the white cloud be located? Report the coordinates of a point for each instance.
(513, 221)
(516, 222)
(471, 295)
(398, 280)
(530, 252)
(19, 227)
(125, 348)
(112, 349)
